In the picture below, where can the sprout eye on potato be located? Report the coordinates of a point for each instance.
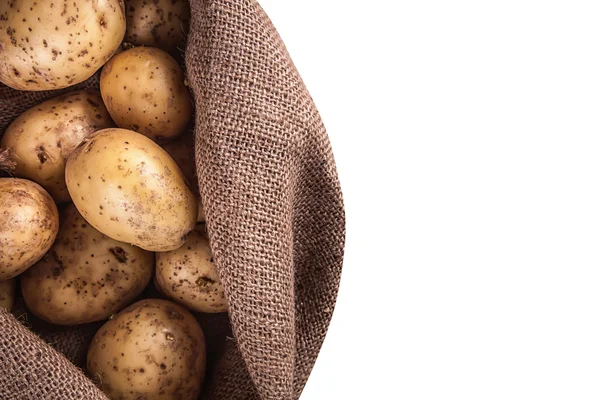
(86, 276)
(153, 349)
(131, 190)
(7, 293)
(144, 91)
(41, 139)
(188, 276)
(28, 225)
(53, 44)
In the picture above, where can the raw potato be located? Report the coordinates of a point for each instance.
(144, 91)
(7, 293)
(28, 225)
(182, 151)
(131, 190)
(152, 350)
(53, 44)
(86, 276)
(42, 138)
(189, 276)
(159, 23)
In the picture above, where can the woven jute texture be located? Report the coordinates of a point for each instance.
(274, 214)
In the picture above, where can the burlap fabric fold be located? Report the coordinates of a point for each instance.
(274, 216)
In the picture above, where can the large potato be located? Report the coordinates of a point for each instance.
(42, 138)
(53, 44)
(182, 152)
(86, 276)
(144, 91)
(131, 190)
(28, 225)
(159, 23)
(189, 276)
(7, 293)
(152, 350)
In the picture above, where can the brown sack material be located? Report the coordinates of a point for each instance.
(274, 214)
(31, 369)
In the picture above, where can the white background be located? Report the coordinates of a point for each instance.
(467, 138)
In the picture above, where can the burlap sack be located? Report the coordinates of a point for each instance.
(274, 215)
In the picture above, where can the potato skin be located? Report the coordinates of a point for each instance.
(152, 350)
(189, 276)
(144, 91)
(28, 225)
(86, 276)
(42, 137)
(7, 293)
(131, 190)
(160, 23)
(48, 45)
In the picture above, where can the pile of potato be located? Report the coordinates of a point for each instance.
(103, 195)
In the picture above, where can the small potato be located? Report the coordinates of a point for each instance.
(189, 276)
(182, 152)
(144, 91)
(131, 190)
(41, 139)
(152, 350)
(53, 44)
(159, 23)
(7, 293)
(86, 276)
(28, 225)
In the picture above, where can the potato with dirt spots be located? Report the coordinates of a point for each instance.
(7, 293)
(182, 151)
(158, 23)
(86, 276)
(41, 139)
(152, 350)
(188, 276)
(130, 189)
(28, 225)
(53, 44)
(144, 90)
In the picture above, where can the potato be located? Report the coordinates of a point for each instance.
(42, 138)
(86, 276)
(159, 23)
(7, 293)
(144, 91)
(53, 44)
(188, 276)
(182, 152)
(152, 350)
(131, 190)
(28, 225)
